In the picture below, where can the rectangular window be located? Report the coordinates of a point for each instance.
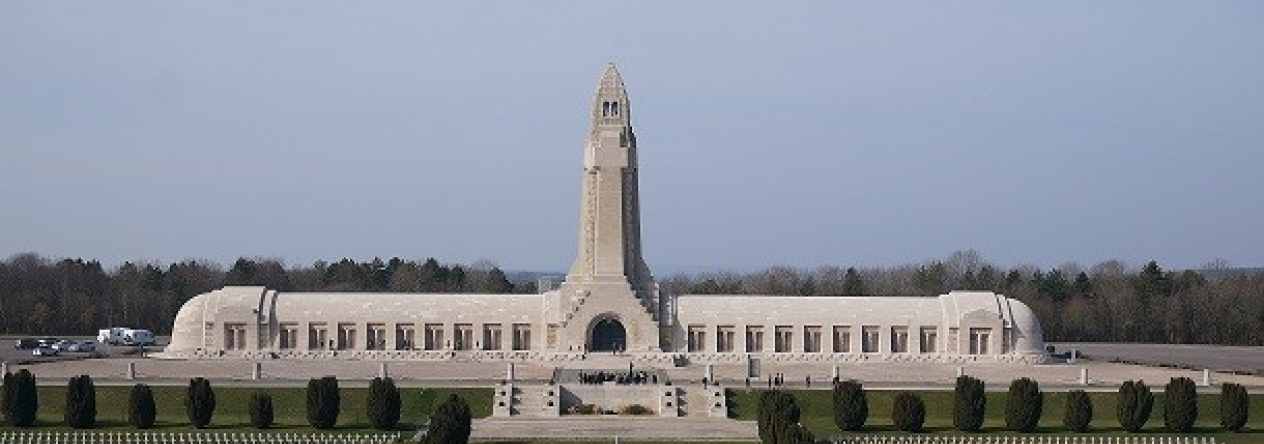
(929, 340)
(491, 336)
(754, 339)
(783, 337)
(375, 337)
(954, 338)
(317, 336)
(405, 336)
(842, 339)
(434, 339)
(463, 337)
(979, 338)
(346, 336)
(289, 337)
(812, 339)
(725, 339)
(869, 339)
(522, 336)
(697, 338)
(234, 336)
(899, 340)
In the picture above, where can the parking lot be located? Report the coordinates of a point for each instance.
(9, 353)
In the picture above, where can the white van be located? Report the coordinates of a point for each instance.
(125, 336)
(138, 337)
(112, 336)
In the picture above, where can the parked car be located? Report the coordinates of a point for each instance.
(48, 342)
(83, 347)
(26, 343)
(45, 351)
(63, 345)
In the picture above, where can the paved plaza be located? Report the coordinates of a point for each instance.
(1103, 375)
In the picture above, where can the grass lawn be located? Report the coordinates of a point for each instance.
(289, 405)
(817, 409)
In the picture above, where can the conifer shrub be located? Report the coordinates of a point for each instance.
(323, 402)
(1079, 411)
(777, 418)
(635, 410)
(81, 403)
(851, 406)
(383, 404)
(908, 412)
(141, 411)
(1234, 406)
(1023, 405)
(969, 404)
(450, 423)
(1133, 405)
(261, 416)
(1180, 405)
(21, 400)
(199, 402)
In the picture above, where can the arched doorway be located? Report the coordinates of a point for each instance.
(608, 335)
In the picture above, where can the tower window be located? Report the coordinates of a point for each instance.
(609, 109)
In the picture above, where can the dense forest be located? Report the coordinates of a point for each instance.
(73, 296)
(1109, 301)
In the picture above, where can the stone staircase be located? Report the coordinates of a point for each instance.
(516, 400)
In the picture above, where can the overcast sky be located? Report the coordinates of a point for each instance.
(836, 133)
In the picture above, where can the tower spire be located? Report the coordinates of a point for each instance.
(609, 275)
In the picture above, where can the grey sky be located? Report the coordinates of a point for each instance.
(836, 133)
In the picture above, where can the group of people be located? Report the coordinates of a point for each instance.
(628, 377)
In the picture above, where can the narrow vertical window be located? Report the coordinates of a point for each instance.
(869, 339)
(842, 339)
(754, 339)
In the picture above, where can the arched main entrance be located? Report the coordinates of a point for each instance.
(608, 335)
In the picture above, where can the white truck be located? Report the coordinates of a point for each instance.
(125, 336)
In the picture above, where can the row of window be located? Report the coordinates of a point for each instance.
(870, 339)
(346, 337)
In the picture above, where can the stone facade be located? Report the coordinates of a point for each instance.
(609, 303)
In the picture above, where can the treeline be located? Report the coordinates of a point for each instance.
(39, 296)
(1109, 301)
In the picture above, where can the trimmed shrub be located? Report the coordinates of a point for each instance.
(199, 402)
(383, 404)
(1180, 405)
(141, 411)
(1235, 406)
(323, 402)
(1079, 411)
(81, 403)
(260, 410)
(583, 409)
(969, 404)
(21, 400)
(1023, 405)
(778, 419)
(1133, 405)
(634, 409)
(851, 407)
(908, 412)
(450, 422)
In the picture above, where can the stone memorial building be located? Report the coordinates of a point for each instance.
(609, 303)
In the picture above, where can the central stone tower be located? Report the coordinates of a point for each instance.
(609, 300)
